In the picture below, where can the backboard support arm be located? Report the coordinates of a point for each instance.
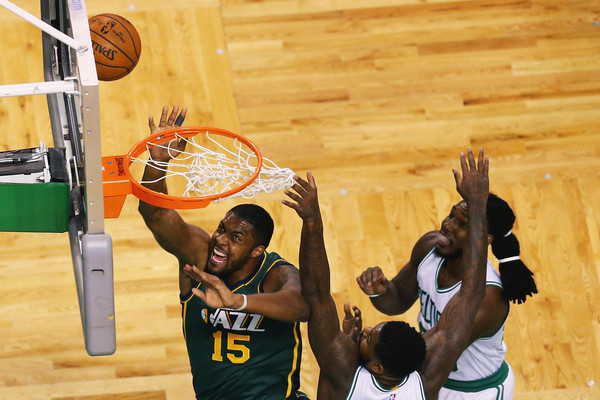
(71, 87)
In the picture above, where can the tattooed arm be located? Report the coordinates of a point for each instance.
(451, 336)
(336, 352)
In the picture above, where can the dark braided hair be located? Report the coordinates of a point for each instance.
(517, 279)
(401, 349)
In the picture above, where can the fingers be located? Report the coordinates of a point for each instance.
(486, 167)
(173, 115)
(199, 293)
(463, 163)
(163, 117)
(297, 197)
(302, 191)
(151, 124)
(292, 196)
(201, 276)
(468, 162)
(174, 118)
(181, 117)
(300, 185)
(289, 204)
(480, 160)
(311, 180)
(471, 157)
(371, 276)
(347, 313)
(457, 177)
(483, 163)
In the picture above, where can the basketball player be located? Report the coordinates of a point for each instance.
(391, 360)
(434, 274)
(245, 344)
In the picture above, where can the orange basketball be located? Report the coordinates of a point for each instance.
(117, 46)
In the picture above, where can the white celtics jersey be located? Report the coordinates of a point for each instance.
(366, 387)
(484, 357)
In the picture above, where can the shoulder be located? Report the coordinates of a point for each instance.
(428, 239)
(424, 246)
(494, 302)
(273, 260)
(492, 313)
(280, 274)
(342, 373)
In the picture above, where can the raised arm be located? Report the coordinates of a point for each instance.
(447, 340)
(172, 233)
(336, 352)
(398, 295)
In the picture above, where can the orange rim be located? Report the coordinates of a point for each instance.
(179, 202)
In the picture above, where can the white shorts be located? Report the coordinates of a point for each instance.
(503, 391)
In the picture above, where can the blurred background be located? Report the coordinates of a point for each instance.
(377, 99)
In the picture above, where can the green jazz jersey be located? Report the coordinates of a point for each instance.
(240, 355)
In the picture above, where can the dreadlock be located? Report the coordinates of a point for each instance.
(517, 279)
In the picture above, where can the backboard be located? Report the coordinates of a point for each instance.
(71, 88)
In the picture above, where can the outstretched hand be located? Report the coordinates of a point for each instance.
(167, 121)
(217, 294)
(352, 324)
(306, 202)
(474, 183)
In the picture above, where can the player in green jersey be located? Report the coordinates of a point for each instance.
(242, 334)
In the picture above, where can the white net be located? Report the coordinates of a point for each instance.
(213, 164)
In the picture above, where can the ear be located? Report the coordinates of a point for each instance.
(376, 367)
(490, 239)
(257, 252)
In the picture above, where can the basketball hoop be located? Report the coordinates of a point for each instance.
(216, 164)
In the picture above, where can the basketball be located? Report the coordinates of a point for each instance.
(117, 46)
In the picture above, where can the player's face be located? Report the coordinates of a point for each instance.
(453, 233)
(369, 337)
(231, 246)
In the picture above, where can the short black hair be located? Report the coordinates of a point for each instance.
(260, 220)
(401, 349)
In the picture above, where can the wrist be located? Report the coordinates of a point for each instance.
(375, 295)
(313, 223)
(477, 200)
(244, 303)
(158, 160)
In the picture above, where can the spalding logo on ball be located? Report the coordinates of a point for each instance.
(117, 46)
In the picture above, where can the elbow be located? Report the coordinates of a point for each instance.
(390, 309)
(389, 313)
(302, 312)
(153, 216)
(145, 209)
(294, 314)
(303, 316)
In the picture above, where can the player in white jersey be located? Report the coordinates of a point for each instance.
(434, 274)
(481, 367)
(366, 387)
(391, 360)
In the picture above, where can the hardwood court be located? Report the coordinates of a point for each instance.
(377, 99)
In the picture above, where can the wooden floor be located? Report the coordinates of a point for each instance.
(378, 101)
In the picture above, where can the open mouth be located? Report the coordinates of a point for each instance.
(218, 256)
(443, 240)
